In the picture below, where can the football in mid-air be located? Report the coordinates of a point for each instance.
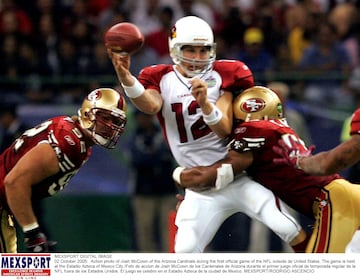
(124, 37)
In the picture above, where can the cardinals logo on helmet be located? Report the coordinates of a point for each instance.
(173, 32)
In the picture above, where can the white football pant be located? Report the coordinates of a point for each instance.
(354, 245)
(200, 215)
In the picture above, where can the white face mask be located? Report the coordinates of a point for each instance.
(200, 66)
(107, 140)
(101, 140)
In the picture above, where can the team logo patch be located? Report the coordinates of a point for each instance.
(210, 82)
(69, 140)
(239, 130)
(25, 265)
(238, 145)
(253, 105)
(323, 203)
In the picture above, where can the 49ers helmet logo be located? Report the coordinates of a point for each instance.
(253, 105)
(94, 95)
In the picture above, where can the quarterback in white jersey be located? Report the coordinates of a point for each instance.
(185, 129)
(193, 102)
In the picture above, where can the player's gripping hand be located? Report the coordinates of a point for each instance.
(290, 154)
(179, 198)
(36, 241)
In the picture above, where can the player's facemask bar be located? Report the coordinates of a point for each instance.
(196, 67)
(107, 126)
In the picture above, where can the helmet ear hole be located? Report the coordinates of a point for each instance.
(90, 115)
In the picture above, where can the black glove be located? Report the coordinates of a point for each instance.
(36, 241)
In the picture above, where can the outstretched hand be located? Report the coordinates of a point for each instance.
(290, 154)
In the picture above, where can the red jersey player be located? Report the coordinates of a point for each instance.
(327, 162)
(326, 199)
(193, 101)
(41, 162)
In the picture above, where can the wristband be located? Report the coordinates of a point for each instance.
(176, 174)
(134, 91)
(214, 117)
(30, 227)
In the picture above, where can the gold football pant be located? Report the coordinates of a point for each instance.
(8, 240)
(337, 217)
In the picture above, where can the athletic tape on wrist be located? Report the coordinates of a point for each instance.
(176, 174)
(30, 227)
(225, 175)
(214, 117)
(134, 91)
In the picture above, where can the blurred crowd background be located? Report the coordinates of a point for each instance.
(53, 54)
(52, 50)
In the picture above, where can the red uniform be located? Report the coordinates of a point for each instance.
(332, 201)
(293, 186)
(355, 123)
(67, 140)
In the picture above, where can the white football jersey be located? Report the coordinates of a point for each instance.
(191, 141)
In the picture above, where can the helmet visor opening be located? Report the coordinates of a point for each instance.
(195, 59)
(107, 126)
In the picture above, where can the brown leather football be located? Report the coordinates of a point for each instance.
(124, 37)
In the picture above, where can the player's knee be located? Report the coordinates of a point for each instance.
(281, 223)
